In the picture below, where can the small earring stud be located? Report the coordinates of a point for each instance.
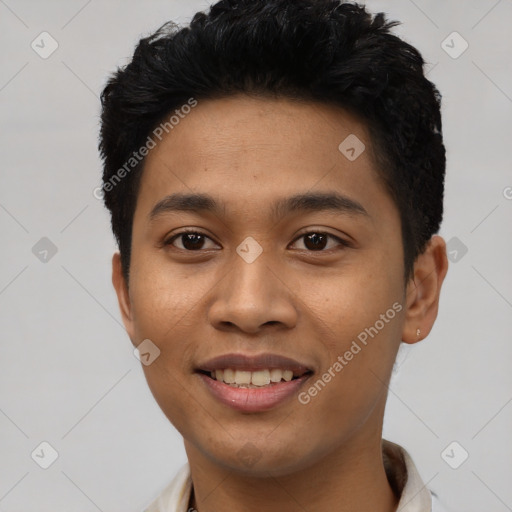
(418, 332)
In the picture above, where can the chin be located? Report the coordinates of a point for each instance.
(261, 460)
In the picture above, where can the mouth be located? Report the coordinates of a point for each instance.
(240, 370)
(253, 383)
(251, 379)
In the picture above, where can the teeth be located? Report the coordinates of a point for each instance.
(276, 375)
(287, 375)
(242, 377)
(260, 378)
(228, 376)
(246, 379)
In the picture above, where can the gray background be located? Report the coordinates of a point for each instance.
(68, 375)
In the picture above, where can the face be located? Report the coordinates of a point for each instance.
(294, 251)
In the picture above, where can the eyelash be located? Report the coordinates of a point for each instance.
(170, 240)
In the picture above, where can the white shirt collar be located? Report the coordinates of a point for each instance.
(401, 471)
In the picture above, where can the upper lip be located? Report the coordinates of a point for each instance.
(253, 363)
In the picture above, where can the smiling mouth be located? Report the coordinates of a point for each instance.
(260, 378)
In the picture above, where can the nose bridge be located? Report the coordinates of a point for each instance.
(252, 295)
(249, 286)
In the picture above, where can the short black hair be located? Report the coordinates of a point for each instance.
(328, 51)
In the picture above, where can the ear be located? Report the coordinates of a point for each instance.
(123, 295)
(423, 290)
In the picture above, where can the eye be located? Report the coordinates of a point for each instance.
(190, 240)
(195, 240)
(317, 240)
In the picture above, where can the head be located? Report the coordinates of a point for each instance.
(302, 132)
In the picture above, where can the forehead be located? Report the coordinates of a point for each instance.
(251, 150)
(229, 127)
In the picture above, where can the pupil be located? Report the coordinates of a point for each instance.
(193, 239)
(315, 242)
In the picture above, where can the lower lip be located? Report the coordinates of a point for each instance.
(253, 399)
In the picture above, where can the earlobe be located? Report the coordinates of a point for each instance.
(123, 296)
(423, 291)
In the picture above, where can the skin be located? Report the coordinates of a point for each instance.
(292, 300)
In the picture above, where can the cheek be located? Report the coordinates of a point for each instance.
(163, 298)
(359, 298)
(166, 309)
(362, 312)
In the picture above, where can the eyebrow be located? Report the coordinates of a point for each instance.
(307, 202)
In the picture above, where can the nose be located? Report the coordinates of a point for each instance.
(252, 297)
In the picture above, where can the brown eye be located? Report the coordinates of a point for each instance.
(317, 241)
(190, 240)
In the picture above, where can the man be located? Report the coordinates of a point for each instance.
(275, 176)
